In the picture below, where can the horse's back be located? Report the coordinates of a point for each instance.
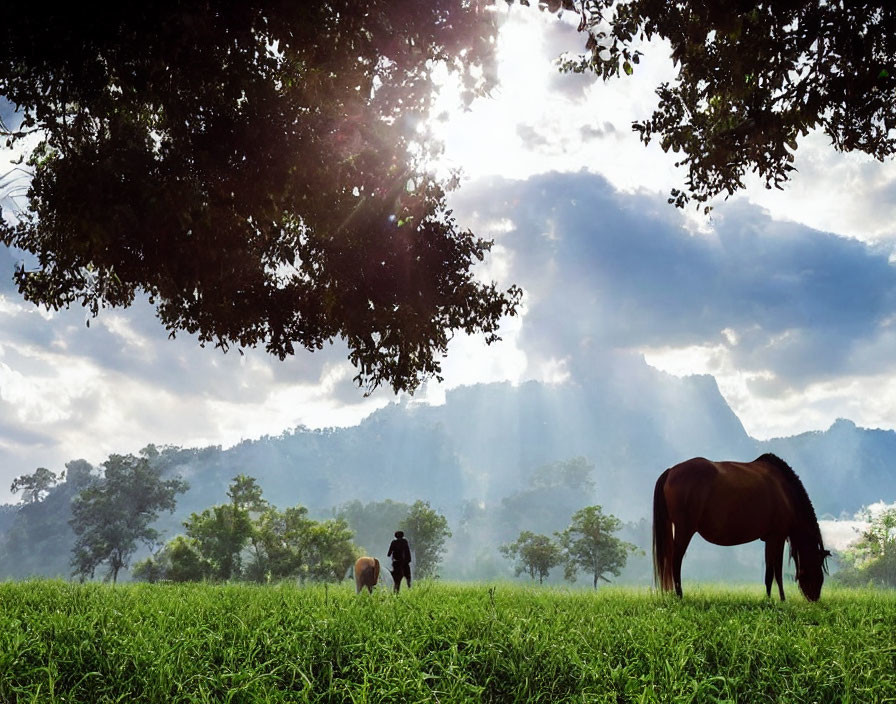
(690, 482)
(727, 502)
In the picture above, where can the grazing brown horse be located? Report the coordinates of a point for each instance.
(729, 503)
(367, 573)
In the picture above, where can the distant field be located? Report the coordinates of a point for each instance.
(440, 643)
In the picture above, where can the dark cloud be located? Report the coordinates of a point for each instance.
(605, 269)
(15, 433)
(561, 38)
(8, 261)
(531, 137)
(9, 115)
(596, 131)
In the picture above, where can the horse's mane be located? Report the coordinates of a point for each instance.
(797, 493)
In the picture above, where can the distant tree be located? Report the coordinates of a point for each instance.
(590, 546)
(282, 540)
(330, 552)
(575, 473)
(114, 514)
(34, 486)
(78, 474)
(246, 495)
(185, 563)
(150, 569)
(373, 523)
(262, 171)
(38, 538)
(554, 491)
(178, 561)
(534, 554)
(220, 534)
(250, 539)
(427, 531)
(873, 558)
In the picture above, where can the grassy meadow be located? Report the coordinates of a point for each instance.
(440, 642)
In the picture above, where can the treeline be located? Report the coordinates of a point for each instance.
(37, 535)
(93, 522)
(208, 535)
(250, 539)
(110, 515)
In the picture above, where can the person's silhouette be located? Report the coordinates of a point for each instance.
(400, 552)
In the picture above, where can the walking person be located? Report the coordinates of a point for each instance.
(400, 552)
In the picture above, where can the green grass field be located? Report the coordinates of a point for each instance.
(63, 642)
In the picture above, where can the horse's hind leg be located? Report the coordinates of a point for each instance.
(769, 568)
(680, 543)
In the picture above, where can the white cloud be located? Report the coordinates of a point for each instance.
(850, 194)
(839, 535)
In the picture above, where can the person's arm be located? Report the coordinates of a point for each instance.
(391, 548)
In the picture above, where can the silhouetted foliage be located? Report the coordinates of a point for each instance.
(260, 171)
(752, 77)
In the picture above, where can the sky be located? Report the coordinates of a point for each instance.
(787, 298)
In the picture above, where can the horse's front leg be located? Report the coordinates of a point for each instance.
(769, 568)
(774, 565)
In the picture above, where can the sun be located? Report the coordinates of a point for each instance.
(485, 139)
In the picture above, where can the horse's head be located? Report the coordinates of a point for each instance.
(811, 567)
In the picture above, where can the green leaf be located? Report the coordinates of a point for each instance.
(627, 67)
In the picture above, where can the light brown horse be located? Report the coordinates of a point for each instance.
(367, 573)
(729, 503)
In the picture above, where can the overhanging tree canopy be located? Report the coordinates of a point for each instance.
(258, 169)
(752, 78)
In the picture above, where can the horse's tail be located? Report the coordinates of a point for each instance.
(662, 537)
